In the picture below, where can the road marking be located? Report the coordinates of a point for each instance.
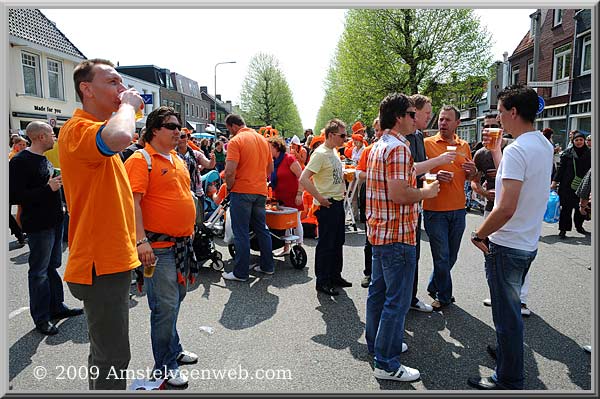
(17, 312)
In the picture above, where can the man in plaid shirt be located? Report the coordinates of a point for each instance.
(391, 223)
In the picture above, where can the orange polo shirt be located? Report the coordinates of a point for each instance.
(167, 204)
(252, 153)
(100, 203)
(452, 195)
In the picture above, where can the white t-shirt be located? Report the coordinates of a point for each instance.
(527, 159)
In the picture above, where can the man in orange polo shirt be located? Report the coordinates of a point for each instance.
(164, 221)
(444, 215)
(102, 222)
(247, 166)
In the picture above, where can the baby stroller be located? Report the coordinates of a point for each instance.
(280, 222)
(204, 245)
(213, 179)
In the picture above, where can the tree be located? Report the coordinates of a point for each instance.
(404, 50)
(266, 98)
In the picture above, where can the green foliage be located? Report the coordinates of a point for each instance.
(266, 98)
(442, 53)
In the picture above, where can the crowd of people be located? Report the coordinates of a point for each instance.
(148, 193)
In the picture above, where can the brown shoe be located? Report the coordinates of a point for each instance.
(437, 305)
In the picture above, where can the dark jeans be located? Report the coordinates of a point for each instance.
(46, 293)
(329, 256)
(569, 202)
(388, 302)
(248, 210)
(505, 270)
(418, 255)
(106, 306)
(445, 230)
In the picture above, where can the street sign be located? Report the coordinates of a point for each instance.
(52, 122)
(541, 104)
(540, 84)
(147, 98)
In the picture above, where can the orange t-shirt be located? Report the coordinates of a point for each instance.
(452, 195)
(364, 156)
(100, 203)
(167, 204)
(252, 153)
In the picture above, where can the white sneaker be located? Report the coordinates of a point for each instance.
(525, 310)
(231, 276)
(257, 268)
(404, 347)
(404, 374)
(422, 307)
(282, 252)
(176, 379)
(487, 302)
(187, 357)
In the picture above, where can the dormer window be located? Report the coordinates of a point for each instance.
(558, 14)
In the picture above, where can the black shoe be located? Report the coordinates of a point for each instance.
(562, 234)
(583, 231)
(68, 312)
(491, 350)
(486, 383)
(340, 282)
(327, 290)
(46, 328)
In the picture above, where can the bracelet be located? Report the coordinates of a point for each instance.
(142, 241)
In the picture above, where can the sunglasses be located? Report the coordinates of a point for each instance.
(412, 114)
(171, 126)
(183, 136)
(490, 126)
(342, 135)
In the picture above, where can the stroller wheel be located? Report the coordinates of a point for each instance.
(217, 264)
(216, 255)
(298, 257)
(231, 248)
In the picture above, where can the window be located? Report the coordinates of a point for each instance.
(533, 25)
(178, 107)
(31, 74)
(55, 79)
(558, 14)
(586, 55)
(514, 76)
(187, 109)
(530, 71)
(562, 65)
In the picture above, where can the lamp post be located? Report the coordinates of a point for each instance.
(216, 65)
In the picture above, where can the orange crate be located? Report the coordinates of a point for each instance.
(284, 218)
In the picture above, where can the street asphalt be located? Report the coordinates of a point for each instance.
(276, 334)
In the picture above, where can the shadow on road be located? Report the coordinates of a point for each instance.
(571, 239)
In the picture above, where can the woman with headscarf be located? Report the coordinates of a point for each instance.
(284, 183)
(574, 163)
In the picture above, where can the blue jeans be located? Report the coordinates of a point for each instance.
(505, 270)
(329, 254)
(388, 302)
(248, 210)
(46, 293)
(165, 295)
(445, 230)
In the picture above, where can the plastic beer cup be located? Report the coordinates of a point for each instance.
(149, 270)
(493, 134)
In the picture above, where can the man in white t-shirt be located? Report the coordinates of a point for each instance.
(509, 236)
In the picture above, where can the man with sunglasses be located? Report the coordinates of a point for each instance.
(444, 216)
(327, 188)
(164, 222)
(102, 221)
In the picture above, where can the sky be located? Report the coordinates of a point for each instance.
(191, 41)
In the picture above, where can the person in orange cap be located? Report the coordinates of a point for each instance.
(357, 129)
(316, 141)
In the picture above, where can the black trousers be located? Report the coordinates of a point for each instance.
(569, 202)
(329, 257)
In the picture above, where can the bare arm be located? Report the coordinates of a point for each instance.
(119, 130)
(230, 170)
(442, 159)
(145, 252)
(310, 187)
(205, 162)
(401, 193)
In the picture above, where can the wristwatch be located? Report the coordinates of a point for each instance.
(476, 238)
